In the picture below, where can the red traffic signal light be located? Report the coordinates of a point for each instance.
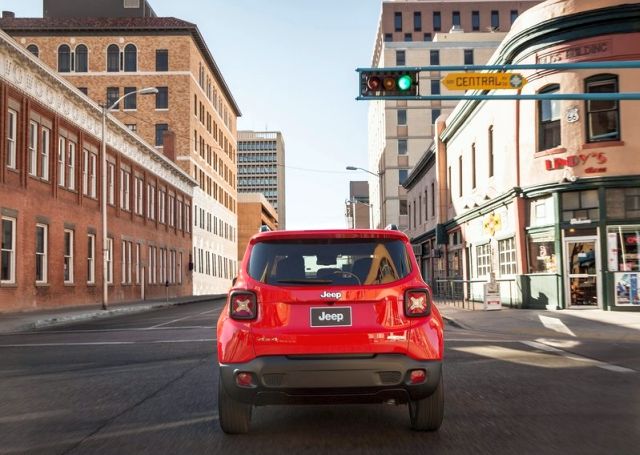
(388, 83)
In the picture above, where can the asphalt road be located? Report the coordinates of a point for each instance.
(146, 383)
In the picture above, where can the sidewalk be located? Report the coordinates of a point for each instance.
(24, 321)
(571, 323)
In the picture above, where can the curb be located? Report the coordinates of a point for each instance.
(455, 323)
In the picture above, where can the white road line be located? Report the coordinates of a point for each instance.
(105, 343)
(578, 358)
(478, 340)
(179, 319)
(139, 329)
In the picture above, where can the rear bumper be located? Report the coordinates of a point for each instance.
(330, 379)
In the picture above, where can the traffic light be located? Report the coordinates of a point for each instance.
(388, 83)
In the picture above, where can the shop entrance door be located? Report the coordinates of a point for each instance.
(582, 265)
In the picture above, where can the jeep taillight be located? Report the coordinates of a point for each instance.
(417, 303)
(243, 305)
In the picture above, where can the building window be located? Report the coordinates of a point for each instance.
(138, 275)
(131, 100)
(388, 37)
(402, 146)
(580, 205)
(61, 160)
(603, 117)
(495, 20)
(437, 21)
(41, 253)
(475, 21)
(542, 254)
(162, 60)
(397, 22)
(33, 49)
(64, 59)
(93, 170)
(434, 57)
(460, 176)
(68, 256)
(91, 258)
(160, 129)
(404, 210)
(126, 262)
(426, 37)
(162, 206)
(449, 189)
(468, 56)
(152, 265)
(490, 148)
(71, 166)
(11, 138)
(109, 270)
(435, 113)
(400, 58)
(130, 58)
(81, 59)
(138, 195)
(514, 15)
(162, 98)
(473, 166)
(402, 175)
(507, 256)
(549, 120)
(623, 203)
(171, 203)
(125, 186)
(483, 260)
(455, 18)
(8, 259)
(151, 202)
(402, 116)
(113, 93)
(111, 177)
(417, 21)
(113, 58)
(433, 199)
(435, 87)
(84, 90)
(45, 146)
(33, 148)
(408, 37)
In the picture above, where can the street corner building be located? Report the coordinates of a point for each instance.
(544, 195)
(50, 198)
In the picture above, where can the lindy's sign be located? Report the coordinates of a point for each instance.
(593, 160)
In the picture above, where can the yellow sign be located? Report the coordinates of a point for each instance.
(484, 81)
(492, 223)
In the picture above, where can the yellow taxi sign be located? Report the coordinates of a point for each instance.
(484, 81)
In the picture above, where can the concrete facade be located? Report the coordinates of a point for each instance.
(255, 211)
(542, 195)
(401, 131)
(358, 207)
(50, 196)
(167, 53)
(261, 168)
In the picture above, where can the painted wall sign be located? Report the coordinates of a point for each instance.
(572, 114)
(583, 51)
(492, 223)
(593, 160)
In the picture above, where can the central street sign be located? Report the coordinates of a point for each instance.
(484, 81)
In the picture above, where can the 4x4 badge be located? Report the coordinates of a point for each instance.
(331, 295)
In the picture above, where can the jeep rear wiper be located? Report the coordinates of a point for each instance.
(303, 281)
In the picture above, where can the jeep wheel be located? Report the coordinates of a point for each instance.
(427, 414)
(234, 416)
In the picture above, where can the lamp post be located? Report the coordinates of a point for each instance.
(375, 174)
(103, 207)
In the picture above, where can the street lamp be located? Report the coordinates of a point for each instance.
(103, 208)
(379, 176)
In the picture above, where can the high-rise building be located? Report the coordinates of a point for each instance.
(261, 168)
(421, 33)
(255, 211)
(358, 209)
(107, 54)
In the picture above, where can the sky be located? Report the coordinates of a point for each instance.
(290, 67)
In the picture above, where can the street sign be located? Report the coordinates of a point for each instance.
(484, 81)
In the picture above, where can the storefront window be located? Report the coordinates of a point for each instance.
(580, 205)
(483, 260)
(507, 256)
(622, 243)
(623, 203)
(542, 254)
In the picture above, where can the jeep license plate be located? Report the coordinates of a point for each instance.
(331, 317)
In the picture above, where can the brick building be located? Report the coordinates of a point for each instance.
(50, 197)
(108, 56)
(255, 211)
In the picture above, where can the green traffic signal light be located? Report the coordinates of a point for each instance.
(404, 82)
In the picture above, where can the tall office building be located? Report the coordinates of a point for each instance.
(261, 168)
(115, 47)
(420, 33)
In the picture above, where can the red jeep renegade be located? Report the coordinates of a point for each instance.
(336, 316)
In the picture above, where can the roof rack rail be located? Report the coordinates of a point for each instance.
(264, 228)
(392, 227)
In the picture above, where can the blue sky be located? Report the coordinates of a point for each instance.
(290, 66)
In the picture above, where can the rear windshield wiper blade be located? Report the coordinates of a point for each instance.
(304, 281)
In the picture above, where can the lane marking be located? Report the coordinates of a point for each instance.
(105, 343)
(578, 358)
(179, 319)
(556, 325)
(139, 329)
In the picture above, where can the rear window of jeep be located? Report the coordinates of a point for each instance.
(342, 262)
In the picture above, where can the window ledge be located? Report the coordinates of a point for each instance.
(9, 285)
(43, 285)
(553, 151)
(603, 144)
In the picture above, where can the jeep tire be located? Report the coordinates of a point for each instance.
(234, 416)
(427, 414)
